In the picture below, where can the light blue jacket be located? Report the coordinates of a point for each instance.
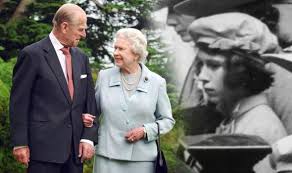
(148, 105)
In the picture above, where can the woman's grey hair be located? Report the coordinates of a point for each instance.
(137, 39)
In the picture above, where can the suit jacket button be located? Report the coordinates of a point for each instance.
(127, 122)
(69, 125)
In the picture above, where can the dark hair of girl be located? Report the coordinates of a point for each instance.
(243, 72)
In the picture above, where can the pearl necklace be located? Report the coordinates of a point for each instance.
(128, 85)
(126, 81)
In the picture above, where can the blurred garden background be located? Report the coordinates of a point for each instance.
(23, 22)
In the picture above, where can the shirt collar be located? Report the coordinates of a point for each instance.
(242, 107)
(56, 43)
(247, 104)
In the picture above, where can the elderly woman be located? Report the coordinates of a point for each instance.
(233, 76)
(131, 99)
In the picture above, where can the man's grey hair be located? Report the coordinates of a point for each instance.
(66, 13)
(137, 39)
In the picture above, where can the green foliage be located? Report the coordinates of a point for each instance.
(88, 166)
(26, 31)
(32, 26)
(4, 93)
(6, 73)
(8, 10)
(43, 11)
(7, 162)
(21, 33)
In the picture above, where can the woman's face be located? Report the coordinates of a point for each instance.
(211, 73)
(123, 54)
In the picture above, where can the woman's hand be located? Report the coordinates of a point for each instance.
(135, 134)
(88, 120)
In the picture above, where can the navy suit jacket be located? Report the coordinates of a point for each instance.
(42, 114)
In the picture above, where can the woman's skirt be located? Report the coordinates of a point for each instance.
(105, 165)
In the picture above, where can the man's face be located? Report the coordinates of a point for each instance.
(285, 22)
(75, 31)
(181, 23)
(211, 72)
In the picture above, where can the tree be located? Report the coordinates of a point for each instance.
(27, 23)
(104, 21)
(7, 162)
(20, 9)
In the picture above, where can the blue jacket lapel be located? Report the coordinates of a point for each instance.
(115, 79)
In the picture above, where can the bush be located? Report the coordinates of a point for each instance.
(7, 162)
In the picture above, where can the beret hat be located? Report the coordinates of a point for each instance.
(234, 30)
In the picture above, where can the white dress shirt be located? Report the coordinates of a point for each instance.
(58, 46)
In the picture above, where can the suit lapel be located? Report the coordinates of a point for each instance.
(54, 63)
(76, 73)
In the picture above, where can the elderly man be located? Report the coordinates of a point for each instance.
(52, 87)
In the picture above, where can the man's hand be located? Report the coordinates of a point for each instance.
(88, 120)
(86, 151)
(22, 154)
(135, 134)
